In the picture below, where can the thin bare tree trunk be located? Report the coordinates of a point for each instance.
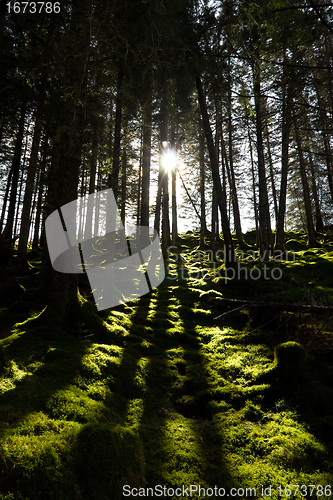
(326, 141)
(232, 180)
(306, 194)
(164, 181)
(264, 215)
(203, 226)
(114, 175)
(40, 195)
(7, 232)
(146, 158)
(255, 203)
(5, 199)
(271, 174)
(157, 219)
(123, 186)
(230, 253)
(215, 220)
(138, 203)
(286, 126)
(92, 177)
(173, 190)
(30, 180)
(319, 219)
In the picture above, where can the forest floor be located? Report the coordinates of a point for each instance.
(180, 388)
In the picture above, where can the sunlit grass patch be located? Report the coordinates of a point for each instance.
(74, 404)
(176, 329)
(97, 390)
(12, 374)
(38, 424)
(180, 453)
(291, 445)
(272, 451)
(120, 318)
(101, 359)
(205, 334)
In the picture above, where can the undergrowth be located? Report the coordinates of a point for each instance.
(176, 388)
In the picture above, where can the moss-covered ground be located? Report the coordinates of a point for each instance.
(176, 388)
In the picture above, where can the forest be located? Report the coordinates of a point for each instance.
(166, 249)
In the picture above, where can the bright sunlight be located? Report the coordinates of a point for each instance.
(169, 159)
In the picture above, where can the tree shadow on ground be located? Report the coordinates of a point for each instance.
(182, 443)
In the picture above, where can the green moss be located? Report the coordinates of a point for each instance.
(38, 459)
(73, 404)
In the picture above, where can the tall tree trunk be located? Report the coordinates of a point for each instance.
(123, 185)
(19, 196)
(157, 219)
(93, 162)
(146, 157)
(328, 51)
(138, 205)
(232, 181)
(174, 207)
(306, 194)
(30, 180)
(287, 104)
(271, 174)
(40, 195)
(60, 289)
(82, 193)
(92, 177)
(5, 199)
(230, 253)
(8, 230)
(203, 226)
(173, 189)
(326, 141)
(255, 203)
(319, 219)
(34, 207)
(218, 131)
(165, 184)
(165, 212)
(264, 215)
(215, 220)
(114, 176)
